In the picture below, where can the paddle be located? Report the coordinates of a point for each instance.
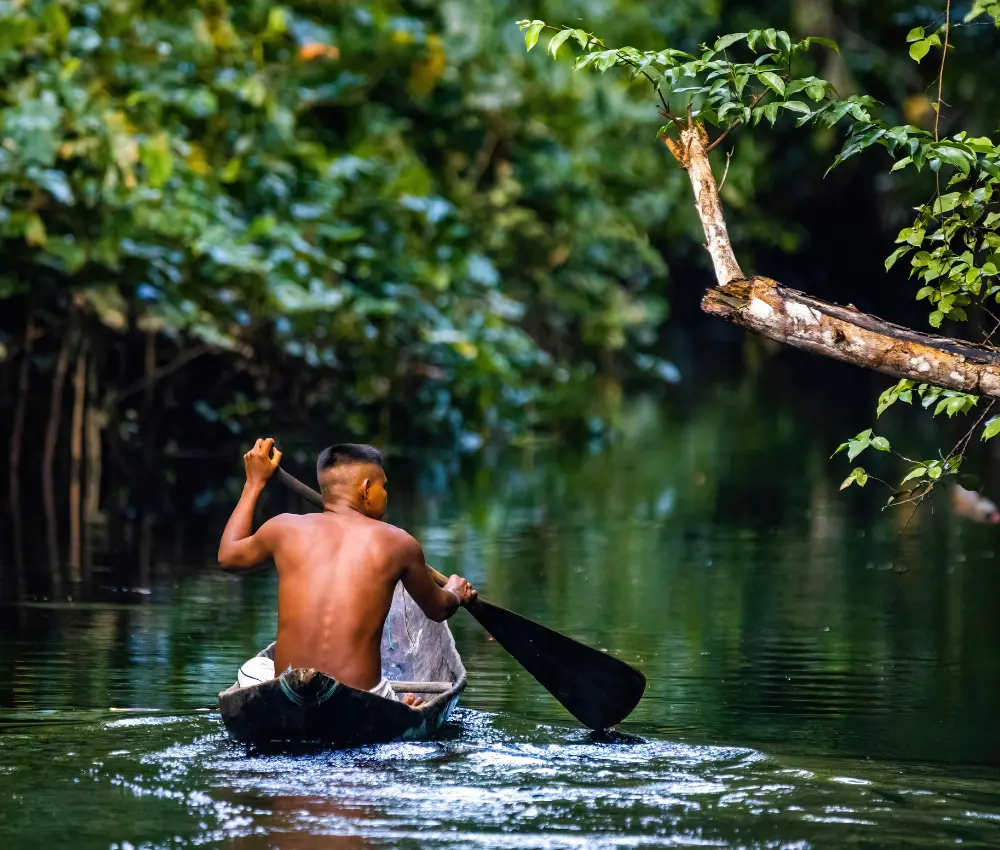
(598, 690)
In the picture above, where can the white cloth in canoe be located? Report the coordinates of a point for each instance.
(260, 669)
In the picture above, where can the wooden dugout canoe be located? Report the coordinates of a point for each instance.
(308, 707)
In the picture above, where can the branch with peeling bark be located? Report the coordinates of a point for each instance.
(785, 315)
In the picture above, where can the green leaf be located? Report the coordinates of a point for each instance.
(856, 447)
(915, 34)
(531, 34)
(982, 144)
(912, 235)
(895, 255)
(607, 59)
(558, 40)
(773, 81)
(946, 203)
(919, 49)
(770, 38)
(56, 22)
(992, 428)
(858, 476)
(936, 318)
(825, 42)
(52, 181)
(961, 159)
(817, 91)
(729, 40)
(916, 472)
(934, 471)
(797, 106)
(155, 154)
(955, 405)
(277, 20)
(34, 230)
(882, 444)
(67, 255)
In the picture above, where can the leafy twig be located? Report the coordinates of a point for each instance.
(756, 99)
(725, 174)
(944, 56)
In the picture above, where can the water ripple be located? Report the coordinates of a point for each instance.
(494, 781)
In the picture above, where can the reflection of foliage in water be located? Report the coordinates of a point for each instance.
(758, 608)
(748, 599)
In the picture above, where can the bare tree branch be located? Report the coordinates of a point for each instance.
(842, 333)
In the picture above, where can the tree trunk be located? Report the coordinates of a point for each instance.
(16, 441)
(842, 333)
(48, 456)
(94, 421)
(76, 466)
(149, 461)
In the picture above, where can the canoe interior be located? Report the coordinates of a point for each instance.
(307, 706)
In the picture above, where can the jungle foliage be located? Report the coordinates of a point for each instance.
(377, 219)
(741, 79)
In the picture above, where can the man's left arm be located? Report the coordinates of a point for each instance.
(239, 547)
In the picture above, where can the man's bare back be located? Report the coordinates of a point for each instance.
(336, 570)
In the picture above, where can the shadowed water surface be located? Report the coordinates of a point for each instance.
(815, 680)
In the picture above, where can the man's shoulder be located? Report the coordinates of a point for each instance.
(394, 536)
(285, 523)
(279, 520)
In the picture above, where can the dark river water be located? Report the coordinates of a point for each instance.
(816, 678)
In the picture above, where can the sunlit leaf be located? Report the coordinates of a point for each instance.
(558, 40)
(919, 49)
(772, 80)
(992, 428)
(531, 34)
(729, 40)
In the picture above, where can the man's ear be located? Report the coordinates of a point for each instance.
(366, 487)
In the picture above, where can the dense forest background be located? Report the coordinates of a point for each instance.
(383, 220)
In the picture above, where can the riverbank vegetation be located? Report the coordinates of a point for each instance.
(379, 220)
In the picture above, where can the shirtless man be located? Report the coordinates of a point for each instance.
(336, 570)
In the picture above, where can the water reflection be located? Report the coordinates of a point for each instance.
(814, 677)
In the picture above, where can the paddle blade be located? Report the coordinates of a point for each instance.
(597, 689)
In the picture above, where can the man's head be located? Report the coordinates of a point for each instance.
(353, 473)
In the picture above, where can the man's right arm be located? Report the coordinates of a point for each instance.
(437, 603)
(240, 548)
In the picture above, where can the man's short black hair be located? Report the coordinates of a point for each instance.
(347, 453)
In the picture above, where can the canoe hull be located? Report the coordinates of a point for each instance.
(305, 706)
(308, 707)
